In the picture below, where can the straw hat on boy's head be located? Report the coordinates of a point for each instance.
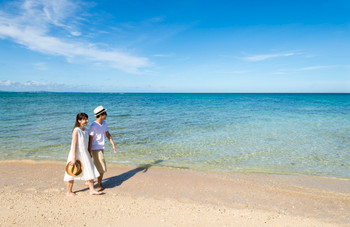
(75, 169)
(99, 110)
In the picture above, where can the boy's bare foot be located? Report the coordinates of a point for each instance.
(100, 188)
(71, 194)
(96, 193)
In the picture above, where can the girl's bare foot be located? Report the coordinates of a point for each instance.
(71, 194)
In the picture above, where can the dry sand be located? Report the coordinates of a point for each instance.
(33, 194)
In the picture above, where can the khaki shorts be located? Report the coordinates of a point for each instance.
(99, 161)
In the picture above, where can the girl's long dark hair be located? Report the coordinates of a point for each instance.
(80, 116)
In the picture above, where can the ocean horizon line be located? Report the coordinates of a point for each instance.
(150, 92)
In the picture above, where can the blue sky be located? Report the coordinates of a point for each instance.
(175, 46)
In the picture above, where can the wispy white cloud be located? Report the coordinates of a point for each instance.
(240, 71)
(234, 72)
(40, 66)
(280, 73)
(8, 85)
(44, 26)
(75, 33)
(318, 67)
(36, 84)
(262, 57)
(156, 19)
(162, 55)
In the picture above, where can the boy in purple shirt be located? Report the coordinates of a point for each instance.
(97, 133)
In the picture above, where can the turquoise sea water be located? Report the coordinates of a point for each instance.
(266, 133)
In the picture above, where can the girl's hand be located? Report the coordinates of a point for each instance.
(72, 162)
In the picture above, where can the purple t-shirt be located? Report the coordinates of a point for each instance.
(98, 132)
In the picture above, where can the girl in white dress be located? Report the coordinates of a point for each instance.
(79, 151)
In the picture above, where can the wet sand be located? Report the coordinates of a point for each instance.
(33, 193)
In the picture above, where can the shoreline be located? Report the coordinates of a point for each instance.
(270, 198)
(116, 165)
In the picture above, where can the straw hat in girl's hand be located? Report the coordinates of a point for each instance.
(75, 169)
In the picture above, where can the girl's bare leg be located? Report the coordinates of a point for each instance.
(69, 188)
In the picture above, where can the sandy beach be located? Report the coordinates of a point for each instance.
(33, 194)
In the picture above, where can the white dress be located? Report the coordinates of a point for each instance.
(89, 170)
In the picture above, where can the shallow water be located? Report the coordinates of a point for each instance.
(269, 133)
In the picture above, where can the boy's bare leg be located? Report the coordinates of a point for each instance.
(99, 182)
(69, 188)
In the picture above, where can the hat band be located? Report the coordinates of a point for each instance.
(100, 112)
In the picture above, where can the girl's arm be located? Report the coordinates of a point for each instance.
(74, 147)
(90, 145)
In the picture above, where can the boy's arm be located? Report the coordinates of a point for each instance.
(108, 135)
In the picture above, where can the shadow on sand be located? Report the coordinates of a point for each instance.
(116, 181)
